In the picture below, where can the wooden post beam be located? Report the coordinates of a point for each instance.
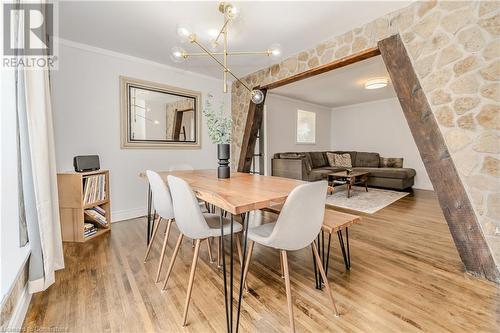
(457, 209)
(252, 126)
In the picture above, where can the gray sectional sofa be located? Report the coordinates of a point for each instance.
(312, 166)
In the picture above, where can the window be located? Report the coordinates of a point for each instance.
(306, 127)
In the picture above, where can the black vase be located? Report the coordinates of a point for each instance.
(223, 154)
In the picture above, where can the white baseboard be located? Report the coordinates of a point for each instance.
(17, 319)
(127, 214)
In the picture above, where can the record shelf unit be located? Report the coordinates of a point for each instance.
(81, 196)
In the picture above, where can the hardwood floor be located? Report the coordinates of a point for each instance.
(406, 276)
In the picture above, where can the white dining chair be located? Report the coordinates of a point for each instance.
(162, 202)
(203, 205)
(194, 224)
(297, 226)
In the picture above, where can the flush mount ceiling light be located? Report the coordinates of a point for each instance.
(376, 83)
(230, 13)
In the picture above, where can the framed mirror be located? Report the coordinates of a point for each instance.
(155, 115)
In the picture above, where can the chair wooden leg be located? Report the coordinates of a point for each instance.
(247, 264)
(238, 247)
(191, 279)
(240, 255)
(288, 290)
(281, 267)
(209, 247)
(192, 242)
(155, 230)
(172, 261)
(163, 250)
(323, 276)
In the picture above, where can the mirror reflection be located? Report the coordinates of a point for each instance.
(161, 116)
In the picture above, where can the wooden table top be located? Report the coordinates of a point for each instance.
(239, 194)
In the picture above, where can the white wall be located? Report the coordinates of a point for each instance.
(380, 127)
(86, 104)
(12, 256)
(281, 119)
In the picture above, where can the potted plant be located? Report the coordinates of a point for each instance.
(219, 130)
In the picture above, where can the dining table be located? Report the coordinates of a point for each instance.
(237, 195)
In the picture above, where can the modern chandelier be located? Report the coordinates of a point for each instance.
(230, 13)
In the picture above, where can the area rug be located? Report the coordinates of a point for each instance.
(362, 201)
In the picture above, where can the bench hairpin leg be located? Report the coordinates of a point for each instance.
(342, 247)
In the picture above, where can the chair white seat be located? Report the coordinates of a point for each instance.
(298, 224)
(213, 221)
(261, 233)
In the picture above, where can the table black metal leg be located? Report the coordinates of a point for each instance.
(315, 269)
(148, 231)
(231, 269)
(328, 254)
(317, 274)
(223, 253)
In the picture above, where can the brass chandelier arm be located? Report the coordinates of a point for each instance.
(199, 54)
(220, 63)
(221, 31)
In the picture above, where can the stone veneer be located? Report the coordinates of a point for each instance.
(455, 50)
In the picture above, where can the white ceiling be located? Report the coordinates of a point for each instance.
(148, 29)
(342, 86)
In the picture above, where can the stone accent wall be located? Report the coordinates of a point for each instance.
(455, 50)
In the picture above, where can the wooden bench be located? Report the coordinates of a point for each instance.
(334, 221)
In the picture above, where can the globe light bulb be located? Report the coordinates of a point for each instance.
(231, 12)
(257, 96)
(178, 54)
(183, 33)
(275, 51)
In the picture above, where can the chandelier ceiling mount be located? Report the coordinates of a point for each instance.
(230, 13)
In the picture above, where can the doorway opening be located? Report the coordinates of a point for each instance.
(457, 209)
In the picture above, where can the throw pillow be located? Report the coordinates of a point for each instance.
(331, 159)
(343, 160)
(391, 162)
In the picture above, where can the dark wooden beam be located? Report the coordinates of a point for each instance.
(457, 209)
(368, 53)
(254, 121)
(178, 115)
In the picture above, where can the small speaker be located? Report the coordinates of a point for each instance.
(86, 163)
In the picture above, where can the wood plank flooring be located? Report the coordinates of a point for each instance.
(406, 276)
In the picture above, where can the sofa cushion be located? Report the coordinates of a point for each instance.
(398, 173)
(319, 174)
(352, 153)
(391, 162)
(318, 159)
(370, 160)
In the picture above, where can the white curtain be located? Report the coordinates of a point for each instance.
(48, 253)
(39, 178)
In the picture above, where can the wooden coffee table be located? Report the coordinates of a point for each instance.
(350, 179)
